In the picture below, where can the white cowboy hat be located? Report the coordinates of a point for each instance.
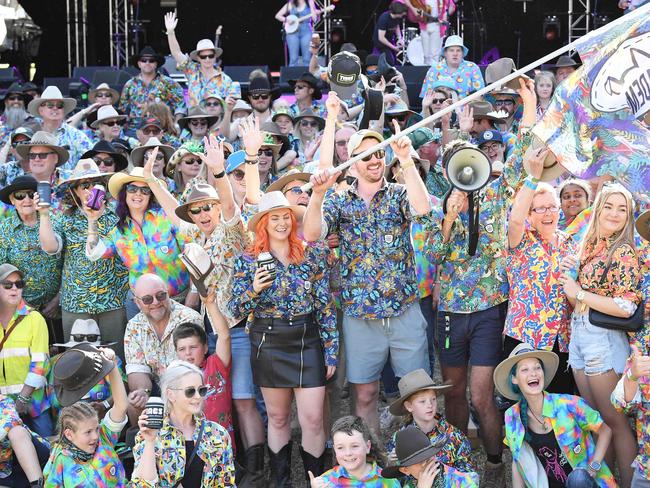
(50, 94)
(270, 201)
(84, 327)
(205, 45)
(106, 112)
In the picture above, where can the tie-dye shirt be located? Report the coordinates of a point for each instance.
(75, 141)
(104, 470)
(136, 94)
(578, 226)
(573, 422)
(538, 311)
(425, 269)
(198, 87)
(339, 476)
(153, 248)
(467, 78)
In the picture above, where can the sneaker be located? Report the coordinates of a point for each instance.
(494, 475)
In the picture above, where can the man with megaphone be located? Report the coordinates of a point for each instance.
(468, 241)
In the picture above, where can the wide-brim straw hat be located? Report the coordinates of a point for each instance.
(106, 112)
(118, 180)
(86, 169)
(205, 45)
(197, 113)
(201, 192)
(412, 446)
(501, 374)
(51, 94)
(115, 95)
(292, 175)
(137, 155)
(271, 201)
(189, 147)
(643, 225)
(552, 168)
(45, 139)
(412, 383)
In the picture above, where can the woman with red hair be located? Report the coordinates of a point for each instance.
(294, 341)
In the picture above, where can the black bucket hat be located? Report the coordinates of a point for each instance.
(106, 147)
(25, 182)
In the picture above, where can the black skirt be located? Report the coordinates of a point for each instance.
(287, 353)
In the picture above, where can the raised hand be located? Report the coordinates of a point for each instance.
(534, 161)
(251, 135)
(333, 105)
(147, 170)
(527, 92)
(214, 157)
(466, 119)
(170, 21)
(401, 145)
(640, 364)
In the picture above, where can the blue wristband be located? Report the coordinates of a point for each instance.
(530, 184)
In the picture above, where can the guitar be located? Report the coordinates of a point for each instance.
(292, 22)
(423, 15)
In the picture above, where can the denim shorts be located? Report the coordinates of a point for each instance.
(241, 375)
(595, 349)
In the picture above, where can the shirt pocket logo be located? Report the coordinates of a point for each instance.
(307, 285)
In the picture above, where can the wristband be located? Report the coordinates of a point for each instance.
(529, 183)
(254, 156)
(219, 175)
(23, 399)
(630, 376)
(153, 179)
(253, 161)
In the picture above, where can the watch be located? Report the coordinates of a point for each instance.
(594, 466)
(580, 296)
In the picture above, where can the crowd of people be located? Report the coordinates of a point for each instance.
(171, 290)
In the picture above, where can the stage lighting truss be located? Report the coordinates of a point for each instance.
(579, 18)
(323, 27)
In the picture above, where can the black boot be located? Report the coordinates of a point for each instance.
(281, 466)
(311, 463)
(254, 474)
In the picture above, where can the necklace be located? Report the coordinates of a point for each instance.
(543, 423)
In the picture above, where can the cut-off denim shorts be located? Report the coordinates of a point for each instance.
(595, 349)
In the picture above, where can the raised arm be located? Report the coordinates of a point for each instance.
(252, 138)
(214, 161)
(165, 199)
(327, 142)
(120, 400)
(220, 325)
(312, 222)
(170, 26)
(50, 242)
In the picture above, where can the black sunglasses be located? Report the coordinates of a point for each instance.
(265, 152)
(203, 208)
(53, 104)
(85, 337)
(15, 98)
(193, 161)
(148, 60)
(144, 190)
(19, 143)
(84, 185)
(296, 190)
(379, 154)
(160, 296)
(191, 391)
(22, 194)
(112, 123)
(40, 155)
(263, 96)
(104, 161)
(8, 285)
(151, 132)
(307, 123)
(212, 104)
(159, 157)
(197, 122)
(438, 100)
(206, 56)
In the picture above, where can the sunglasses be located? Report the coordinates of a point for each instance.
(198, 122)
(144, 190)
(206, 207)
(238, 174)
(191, 391)
(438, 100)
(40, 155)
(265, 152)
(151, 132)
(207, 56)
(263, 96)
(160, 296)
(148, 60)
(104, 162)
(85, 337)
(212, 104)
(103, 95)
(15, 98)
(159, 157)
(112, 123)
(8, 285)
(192, 162)
(307, 123)
(342, 143)
(300, 87)
(19, 143)
(543, 210)
(296, 190)
(503, 102)
(84, 185)
(21, 195)
(379, 154)
(52, 104)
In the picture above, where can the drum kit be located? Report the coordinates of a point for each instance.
(413, 47)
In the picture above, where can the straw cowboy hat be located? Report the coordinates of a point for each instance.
(51, 94)
(501, 374)
(412, 446)
(85, 327)
(291, 175)
(412, 383)
(189, 147)
(205, 45)
(86, 169)
(77, 370)
(118, 180)
(105, 147)
(106, 112)
(24, 182)
(552, 168)
(197, 113)
(271, 201)
(137, 155)
(642, 225)
(92, 93)
(201, 192)
(485, 110)
(501, 68)
(44, 139)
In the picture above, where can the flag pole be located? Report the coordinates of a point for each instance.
(478, 94)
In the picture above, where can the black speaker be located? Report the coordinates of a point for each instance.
(86, 72)
(110, 76)
(62, 84)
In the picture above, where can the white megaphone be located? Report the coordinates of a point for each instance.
(468, 168)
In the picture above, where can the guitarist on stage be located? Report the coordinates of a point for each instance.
(387, 37)
(298, 42)
(432, 16)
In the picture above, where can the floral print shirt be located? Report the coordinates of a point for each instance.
(20, 246)
(318, 108)
(104, 470)
(144, 351)
(87, 286)
(578, 226)
(377, 266)
(473, 283)
(198, 87)
(75, 141)
(573, 421)
(298, 289)
(538, 311)
(339, 476)
(136, 94)
(215, 451)
(467, 77)
(10, 171)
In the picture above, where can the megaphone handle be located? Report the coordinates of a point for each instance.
(474, 228)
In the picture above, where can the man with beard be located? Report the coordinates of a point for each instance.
(379, 289)
(14, 114)
(148, 342)
(260, 95)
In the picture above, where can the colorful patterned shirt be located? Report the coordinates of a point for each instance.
(318, 108)
(198, 87)
(144, 351)
(298, 289)
(86, 286)
(455, 454)
(578, 226)
(10, 171)
(377, 266)
(641, 338)
(218, 404)
(75, 141)
(20, 246)
(215, 451)
(104, 470)
(473, 283)
(538, 311)
(573, 421)
(227, 241)
(639, 408)
(153, 248)
(25, 358)
(467, 77)
(338, 476)
(136, 94)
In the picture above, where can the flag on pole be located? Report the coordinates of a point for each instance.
(591, 123)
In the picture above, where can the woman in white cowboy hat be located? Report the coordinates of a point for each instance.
(144, 238)
(550, 435)
(142, 153)
(284, 284)
(98, 97)
(89, 290)
(108, 125)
